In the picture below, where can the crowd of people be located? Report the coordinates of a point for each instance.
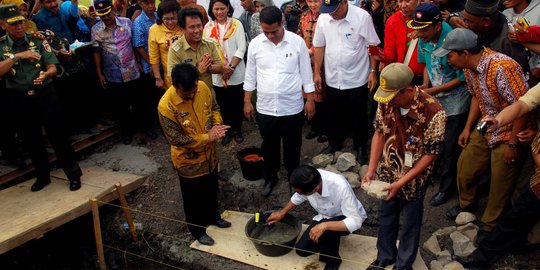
(417, 76)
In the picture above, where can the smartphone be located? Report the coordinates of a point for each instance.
(373, 50)
(511, 27)
(523, 21)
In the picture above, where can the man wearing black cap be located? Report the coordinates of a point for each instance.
(484, 19)
(342, 35)
(116, 65)
(28, 66)
(447, 86)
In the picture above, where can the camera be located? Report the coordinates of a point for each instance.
(482, 128)
(296, 10)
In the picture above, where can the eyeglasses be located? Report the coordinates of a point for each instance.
(170, 19)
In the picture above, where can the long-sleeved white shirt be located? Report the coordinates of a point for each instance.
(346, 58)
(337, 198)
(279, 72)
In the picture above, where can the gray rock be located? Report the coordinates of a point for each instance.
(345, 161)
(435, 265)
(363, 170)
(332, 168)
(470, 230)
(462, 245)
(444, 257)
(353, 178)
(336, 155)
(464, 218)
(322, 160)
(453, 266)
(375, 189)
(432, 245)
(445, 231)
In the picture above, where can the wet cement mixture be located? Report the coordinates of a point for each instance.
(164, 238)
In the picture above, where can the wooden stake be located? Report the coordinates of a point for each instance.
(97, 234)
(127, 213)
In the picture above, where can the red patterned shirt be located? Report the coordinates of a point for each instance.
(497, 82)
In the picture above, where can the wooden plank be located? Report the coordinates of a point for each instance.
(27, 215)
(9, 173)
(357, 251)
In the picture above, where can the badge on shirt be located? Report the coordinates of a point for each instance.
(184, 114)
(408, 159)
(46, 46)
(176, 47)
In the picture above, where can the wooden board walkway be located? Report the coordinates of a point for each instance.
(357, 251)
(26, 215)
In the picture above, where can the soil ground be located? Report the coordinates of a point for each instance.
(158, 207)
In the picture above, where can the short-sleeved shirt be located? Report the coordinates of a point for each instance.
(160, 39)
(457, 100)
(497, 82)
(141, 27)
(419, 132)
(25, 71)
(181, 52)
(117, 57)
(346, 58)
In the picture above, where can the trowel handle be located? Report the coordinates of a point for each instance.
(257, 217)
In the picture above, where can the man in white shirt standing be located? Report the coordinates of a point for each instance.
(338, 212)
(342, 36)
(278, 67)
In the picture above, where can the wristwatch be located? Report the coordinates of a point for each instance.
(232, 67)
(12, 57)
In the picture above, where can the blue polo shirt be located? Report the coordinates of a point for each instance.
(455, 101)
(57, 22)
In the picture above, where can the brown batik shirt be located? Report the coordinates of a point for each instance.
(419, 132)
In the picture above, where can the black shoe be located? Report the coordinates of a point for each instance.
(473, 260)
(268, 187)
(480, 236)
(151, 134)
(311, 135)
(126, 139)
(329, 150)
(322, 138)
(40, 184)
(227, 139)
(377, 265)
(75, 184)
(206, 240)
(221, 223)
(332, 265)
(238, 138)
(438, 199)
(454, 211)
(362, 156)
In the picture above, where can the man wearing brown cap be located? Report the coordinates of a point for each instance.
(409, 134)
(28, 66)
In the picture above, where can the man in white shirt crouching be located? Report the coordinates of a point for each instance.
(278, 67)
(339, 212)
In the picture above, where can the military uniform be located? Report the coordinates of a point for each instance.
(36, 106)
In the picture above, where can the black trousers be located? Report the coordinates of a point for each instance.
(129, 104)
(389, 213)
(448, 161)
(42, 111)
(512, 229)
(319, 122)
(273, 130)
(231, 104)
(328, 245)
(200, 202)
(8, 143)
(348, 109)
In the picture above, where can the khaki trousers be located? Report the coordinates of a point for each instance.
(476, 159)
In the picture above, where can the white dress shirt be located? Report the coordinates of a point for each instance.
(279, 72)
(346, 58)
(337, 198)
